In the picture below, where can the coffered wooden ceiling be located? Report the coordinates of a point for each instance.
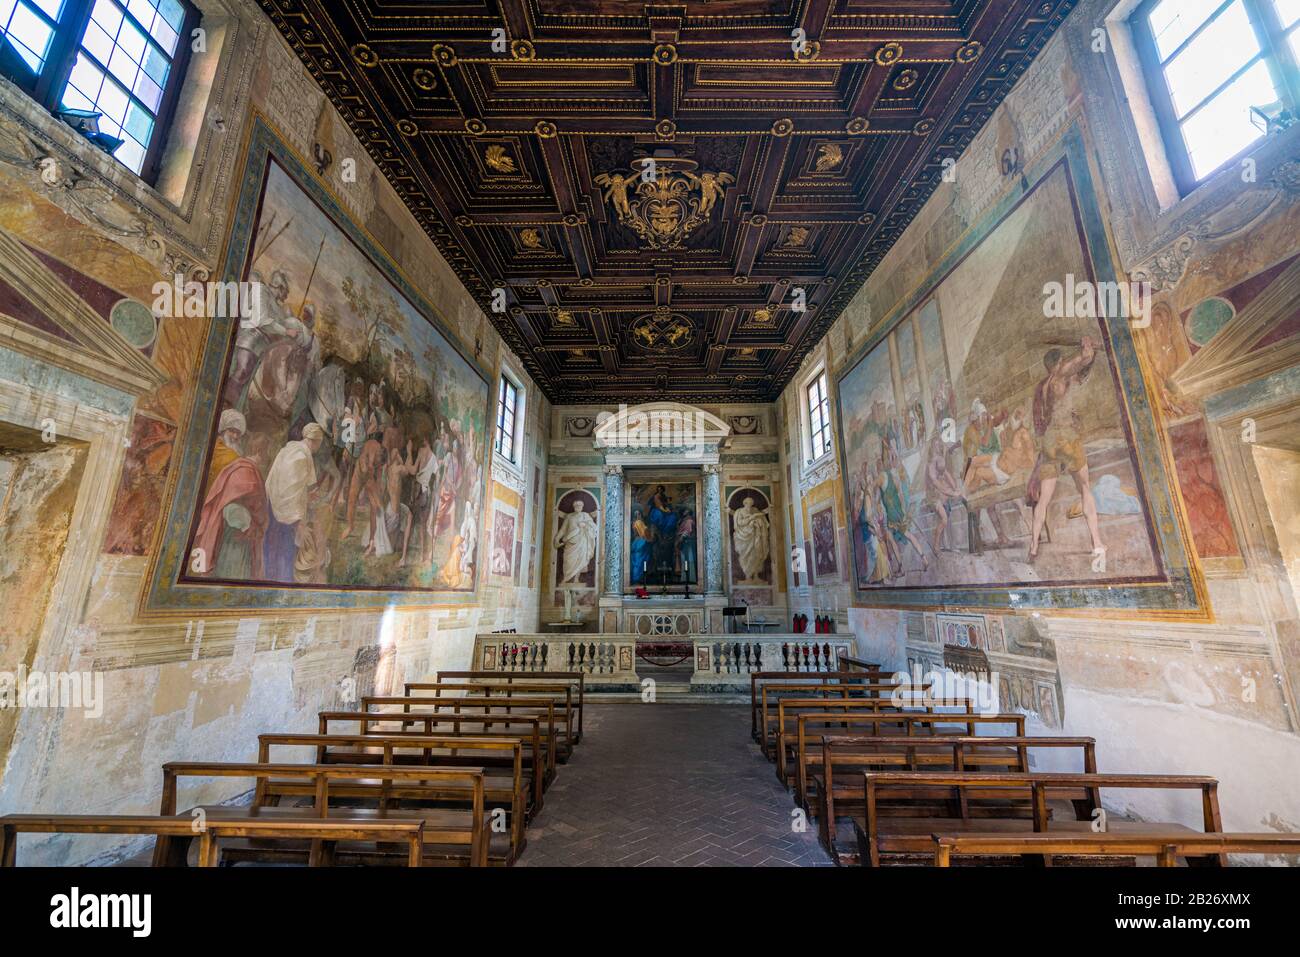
(793, 141)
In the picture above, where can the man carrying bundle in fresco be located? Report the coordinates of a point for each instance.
(1057, 424)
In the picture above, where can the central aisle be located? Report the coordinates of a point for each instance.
(667, 785)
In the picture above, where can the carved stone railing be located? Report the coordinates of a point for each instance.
(604, 659)
(729, 660)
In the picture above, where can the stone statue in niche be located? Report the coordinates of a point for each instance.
(577, 541)
(751, 539)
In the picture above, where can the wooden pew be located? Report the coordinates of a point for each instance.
(539, 750)
(507, 789)
(577, 679)
(840, 691)
(1166, 850)
(757, 678)
(454, 835)
(561, 692)
(557, 721)
(830, 711)
(1021, 798)
(844, 766)
(327, 831)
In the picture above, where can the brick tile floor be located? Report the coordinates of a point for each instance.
(668, 785)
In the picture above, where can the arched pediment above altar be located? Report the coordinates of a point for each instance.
(672, 428)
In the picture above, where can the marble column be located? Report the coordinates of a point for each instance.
(613, 520)
(713, 529)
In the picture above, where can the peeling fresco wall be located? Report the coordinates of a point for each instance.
(186, 688)
(1210, 692)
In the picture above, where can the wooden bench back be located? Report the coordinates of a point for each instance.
(577, 679)
(389, 745)
(853, 754)
(828, 711)
(322, 774)
(209, 832)
(914, 786)
(529, 728)
(758, 678)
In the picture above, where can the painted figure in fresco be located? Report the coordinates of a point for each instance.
(468, 539)
(895, 497)
(230, 435)
(288, 484)
(235, 516)
(640, 548)
(1018, 450)
(943, 491)
(877, 563)
(256, 334)
(577, 536)
(982, 446)
(686, 545)
(394, 518)
(750, 536)
(663, 518)
(1057, 423)
(445, 516)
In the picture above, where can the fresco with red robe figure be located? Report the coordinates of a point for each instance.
(348, 449)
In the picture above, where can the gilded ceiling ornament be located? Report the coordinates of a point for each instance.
(522, 50)
(969, 53)
(808, 51)
(531, 238)
(891, 52)
(407, 128)
(586, 281)
(758, 220)
(857, 126)
(424, 79)
(498, 159)
(906, 80)
(563, 319)
(663, 331)
(796, 238)
(829, 156)
(923, 128)
(573, 219)
(444, 55)
(546, 129)
(665, 54)
(665, 129)
(475, 127)
(783, 127)
(761, 317)
(747, 352)
(663, 199)
(365, 55)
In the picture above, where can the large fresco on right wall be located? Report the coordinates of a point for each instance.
(986, 443)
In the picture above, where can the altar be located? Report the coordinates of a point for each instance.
(662, 521)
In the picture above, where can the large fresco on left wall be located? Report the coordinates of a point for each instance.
(336, 457)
